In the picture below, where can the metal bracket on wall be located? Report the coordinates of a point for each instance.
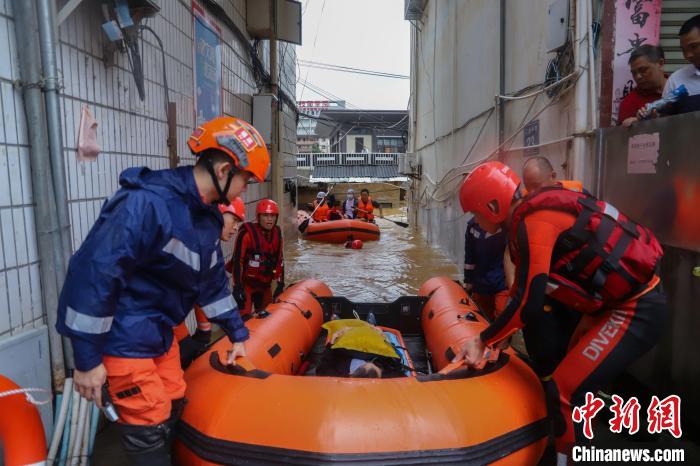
(66, 11)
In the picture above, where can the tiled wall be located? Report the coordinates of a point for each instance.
(130, 132)
(20, 286)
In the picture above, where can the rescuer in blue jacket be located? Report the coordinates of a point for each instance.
(153, 253)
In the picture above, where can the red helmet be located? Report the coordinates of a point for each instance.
(267, 206)
(237, 208)
(489, 191)
(357, 244)
(237, 139)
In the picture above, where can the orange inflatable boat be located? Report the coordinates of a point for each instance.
(339, 231)
(266, 411)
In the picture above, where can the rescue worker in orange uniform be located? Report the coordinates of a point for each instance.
(589, 259)
(151, 255)
(320, 212)
(258, 259)
(539, 173)
(365, 207)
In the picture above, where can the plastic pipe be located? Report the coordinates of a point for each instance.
(45, 215)
(80, 428)
(66, 429)
(85, 441)
(77, 399)
(93, 428)
(60, 419)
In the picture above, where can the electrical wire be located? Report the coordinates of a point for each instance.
(165, 74)
(347, 69)
(313, 49)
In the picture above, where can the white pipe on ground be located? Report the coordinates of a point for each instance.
(79, 433)
(62, 414)
(73, 423)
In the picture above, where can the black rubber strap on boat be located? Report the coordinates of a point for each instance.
(217, 365)
(274, 350)
(227, 452)
(342, 230)
(449, 354)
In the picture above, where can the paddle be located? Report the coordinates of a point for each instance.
(401, 224)
(305, 224)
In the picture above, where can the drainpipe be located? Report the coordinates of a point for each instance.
(501, 77)
(577, 165)
(52, 83)
(48, 43)
(45, 217)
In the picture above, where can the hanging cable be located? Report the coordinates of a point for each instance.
(165, 74)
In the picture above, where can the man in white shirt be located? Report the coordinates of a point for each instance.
(689, 75)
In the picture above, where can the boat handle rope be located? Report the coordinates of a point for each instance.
(27, 393)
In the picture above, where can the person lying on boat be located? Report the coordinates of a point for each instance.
(358, 349)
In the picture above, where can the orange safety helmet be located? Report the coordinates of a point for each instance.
(267, 206)
(489, 191)
(236, 208)
(237, 139)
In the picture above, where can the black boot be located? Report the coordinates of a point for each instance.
(147, 445)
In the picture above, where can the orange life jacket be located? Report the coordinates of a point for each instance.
(261, 261)
(369, 207)
(572, 185)
(603, 259)
(321, 214)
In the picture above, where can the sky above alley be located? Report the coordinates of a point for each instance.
(363, 34)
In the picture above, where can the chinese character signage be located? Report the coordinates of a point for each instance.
(207, 66)
(637, 23)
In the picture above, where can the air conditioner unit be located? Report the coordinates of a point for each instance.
(413, 9)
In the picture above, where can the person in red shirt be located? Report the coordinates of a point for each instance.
(647, 67)
(258, 260)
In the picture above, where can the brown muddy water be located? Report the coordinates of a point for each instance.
(396, 265)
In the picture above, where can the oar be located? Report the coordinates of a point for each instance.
(401, 224)
(305, 224)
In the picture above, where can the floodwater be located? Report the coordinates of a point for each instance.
(396, 265)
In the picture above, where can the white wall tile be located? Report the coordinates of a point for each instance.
(14, 305)
(8, 238)
(20, 235)
(4, 305)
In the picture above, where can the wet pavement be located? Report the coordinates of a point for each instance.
(396, 265)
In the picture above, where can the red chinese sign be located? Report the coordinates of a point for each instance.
(662, 415)
(637, 22)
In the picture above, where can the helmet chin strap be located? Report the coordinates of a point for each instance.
(223, 199)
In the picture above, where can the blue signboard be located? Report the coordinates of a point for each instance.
(207, 67)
